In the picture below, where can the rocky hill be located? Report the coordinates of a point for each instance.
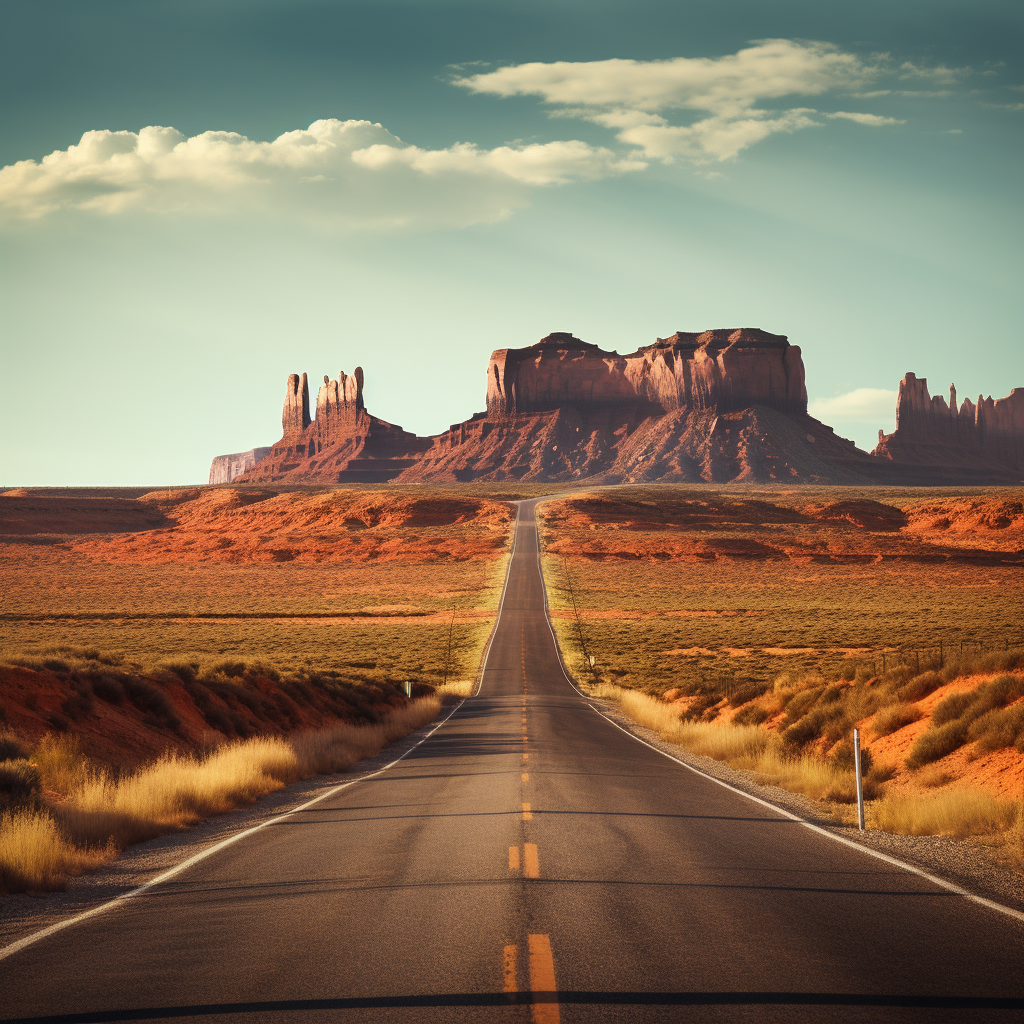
(971, 442)
(718, 406)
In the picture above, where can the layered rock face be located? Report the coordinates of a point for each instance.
(226, 468)
(983, 440)
(343, 444)
(724, 371)
(719, 406)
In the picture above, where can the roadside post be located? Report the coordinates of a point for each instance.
(408, 689)
(860, 780)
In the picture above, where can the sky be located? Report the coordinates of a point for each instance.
(199, 198)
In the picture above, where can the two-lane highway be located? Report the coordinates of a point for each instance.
(531, 861)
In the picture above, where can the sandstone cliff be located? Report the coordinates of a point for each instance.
(343, 444)
(717, 406)
(724, 371)
(226, 468)
(983, 441)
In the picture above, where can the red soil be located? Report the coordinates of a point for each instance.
(983, 529)
(123, 736)
(230, 525)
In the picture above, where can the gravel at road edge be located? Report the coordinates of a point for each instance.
(24, 913)
(961, 862)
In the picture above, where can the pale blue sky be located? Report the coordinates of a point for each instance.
(156, 293)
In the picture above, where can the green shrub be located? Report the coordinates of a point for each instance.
(747, 692)
(11, 747)
(894, 718)
(937, 742)
(20, 785)
(843, 758)
(999, 728)
(953, 707)
(752, 714)
(920, 686)
(107, 687)
(799, 704)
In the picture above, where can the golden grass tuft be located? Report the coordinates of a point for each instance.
(102, 815)
(956, 811)
(457, 688)
(34, 854)
(742, 746)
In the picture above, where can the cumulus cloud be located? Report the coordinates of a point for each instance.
(334, 172)
(632, 97)
(875, 120)
(862, 405)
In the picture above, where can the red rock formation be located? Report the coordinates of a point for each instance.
(295, 416)
(724, 370)
(717, 406)
(983, 442)
(226, 468)
(344, 444)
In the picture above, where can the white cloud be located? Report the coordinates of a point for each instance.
(938, 73)
(874, 120)
(728, 86)
(631, 97)
(862, 405)
(335, 172)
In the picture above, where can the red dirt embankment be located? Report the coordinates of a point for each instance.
(246, 525)
(976, 529)
(125, 717)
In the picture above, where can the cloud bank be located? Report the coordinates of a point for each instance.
(862, 405)
(353, 173)
(632, 97)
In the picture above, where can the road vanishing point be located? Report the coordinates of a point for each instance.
(530, 861)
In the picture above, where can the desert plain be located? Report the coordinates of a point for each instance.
(791, 613)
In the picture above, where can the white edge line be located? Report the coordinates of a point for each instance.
(878, 855)
(501, 603)
(43, 933)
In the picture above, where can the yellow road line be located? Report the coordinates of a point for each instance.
(511, 955)
(526, 776)
(542, 979)
(526, 756)
(513, 858)
(527, 815)
(531, 862)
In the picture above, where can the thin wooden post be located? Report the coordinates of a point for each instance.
(448, 656)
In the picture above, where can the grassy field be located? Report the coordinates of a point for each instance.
(328, 578)
(758, 626)
(677, 586)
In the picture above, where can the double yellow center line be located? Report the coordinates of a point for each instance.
(542, 977)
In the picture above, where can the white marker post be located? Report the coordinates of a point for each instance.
(860, 781)
(408, 693)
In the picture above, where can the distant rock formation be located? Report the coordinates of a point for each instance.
(226, 468)
(724, 371)
(717, 406)
(344, 444)
(983, 441)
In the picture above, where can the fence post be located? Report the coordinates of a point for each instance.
(448, 656)
(860, 781)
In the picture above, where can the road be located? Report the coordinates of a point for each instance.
(530, 861)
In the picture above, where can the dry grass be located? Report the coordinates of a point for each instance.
(101, 815)
(35, 854)
(456, 688)
(742, 746)
(955, 811)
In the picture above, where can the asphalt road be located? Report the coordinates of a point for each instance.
(531, 861)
